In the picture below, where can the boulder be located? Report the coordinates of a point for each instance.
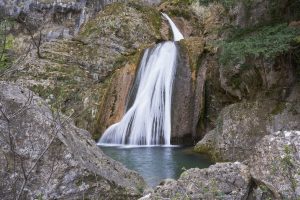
(241, 126)
(44, 156)
(238, 128)
(219, 181)
(275, 165)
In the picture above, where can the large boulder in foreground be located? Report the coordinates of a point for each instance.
(219, 181)
(275, 165)
(44, 156)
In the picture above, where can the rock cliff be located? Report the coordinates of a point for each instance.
(44, 156)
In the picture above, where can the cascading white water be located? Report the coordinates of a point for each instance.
(176, 33)
(148, 120)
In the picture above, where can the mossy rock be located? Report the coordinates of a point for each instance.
(206, 146)
(129, 21)
(194, 47)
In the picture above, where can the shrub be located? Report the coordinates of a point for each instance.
(267, 42)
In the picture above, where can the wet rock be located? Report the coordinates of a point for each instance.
(219, 181)
(187, 91)
(113, 107)
(43, 155)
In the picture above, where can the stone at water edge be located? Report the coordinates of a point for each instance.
(222, 180)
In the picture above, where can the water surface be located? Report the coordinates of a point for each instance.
(157, 163)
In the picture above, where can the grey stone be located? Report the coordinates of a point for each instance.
(219, 181)
(242, 125)
(275, 164)
(43, 155)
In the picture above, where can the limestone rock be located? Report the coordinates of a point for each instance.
(275, 164)
(240, 126)
(43, 155)
(113, 106)
(219, 181)
(74, 74)
(188, 92)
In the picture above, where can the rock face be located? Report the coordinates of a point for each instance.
(43, 155)
(113, 107)
(188, 92)
(219, 181)
(240, 126)
(275, 165)
(74, 73)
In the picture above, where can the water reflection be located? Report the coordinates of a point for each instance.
(157, 163)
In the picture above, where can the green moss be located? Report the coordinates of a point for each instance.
(279, 108)
(236, 81)
(116, 19)
(266, 42)
(287, 161)
(78, 183)
(209, 151)
(6, 44)
(297, 39)
(40, 197)
(179, 12)
(227, 3)
(150, 14)
(180, 2)
(193, 47)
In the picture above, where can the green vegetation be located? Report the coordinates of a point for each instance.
(266, 42)
(287, 160)
(6, 43)
(181, 2)
(226, 3)
(278, 108)
(150, 14)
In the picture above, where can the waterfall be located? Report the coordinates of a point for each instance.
(148, 117)
(176, 33)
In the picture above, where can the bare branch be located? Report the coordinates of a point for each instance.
(37, 43)
(33, 166)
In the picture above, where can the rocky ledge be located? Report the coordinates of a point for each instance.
(44, 156)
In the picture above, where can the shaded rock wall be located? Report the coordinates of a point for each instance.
(188, 92)
(182, 102)
(241, 125)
